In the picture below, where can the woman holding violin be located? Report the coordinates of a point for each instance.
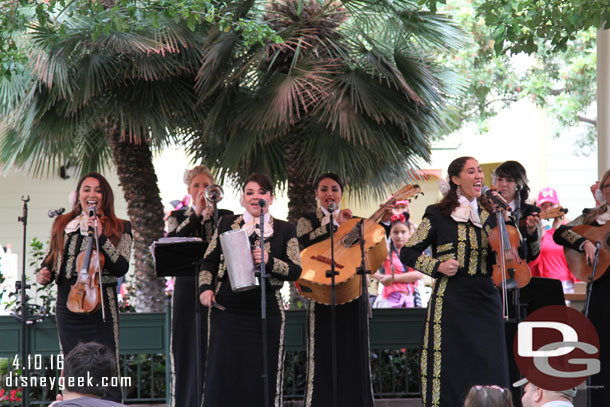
(353, 362)
(510, 180)
(70, 237)
(599, 307)
(235, 361)
(464, 343)
(195, 221)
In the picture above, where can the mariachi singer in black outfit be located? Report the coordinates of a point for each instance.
(195, 221)
(599, 305)
(463, 343)
(68, 240)
(353, 359)
(510, 179)
(235, 360)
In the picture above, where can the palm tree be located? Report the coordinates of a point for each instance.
(86, 97)
(354, 88)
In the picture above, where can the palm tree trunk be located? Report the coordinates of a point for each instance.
(301, 197)
(136, 173)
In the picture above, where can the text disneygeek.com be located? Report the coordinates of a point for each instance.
(61, 382)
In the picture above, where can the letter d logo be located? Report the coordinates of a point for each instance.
(525, 339)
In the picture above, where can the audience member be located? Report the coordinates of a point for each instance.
(534, 396)
(88, 370)
(488, 396)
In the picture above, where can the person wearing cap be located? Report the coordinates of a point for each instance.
(535, 396)
(551, 262)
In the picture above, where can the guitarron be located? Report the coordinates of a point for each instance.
(316, 259)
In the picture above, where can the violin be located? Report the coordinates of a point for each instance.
(85, 294)
(510, 270)
(551, 213)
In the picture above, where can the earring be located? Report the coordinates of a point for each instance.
(458, 191)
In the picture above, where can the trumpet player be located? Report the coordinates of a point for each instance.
(194, 221)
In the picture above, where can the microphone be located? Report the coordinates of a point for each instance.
(487, 191)
(55, 212)
(332, 207)
(92, 214)
(262, 203)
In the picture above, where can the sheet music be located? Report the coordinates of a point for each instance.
(166, 241)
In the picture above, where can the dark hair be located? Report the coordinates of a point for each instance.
(592, 215)
(450, 201)
(516, 171)
(93, 360)
(407, 223)
(488, 396)
(330, 175)
(262, 180)
(113, 226)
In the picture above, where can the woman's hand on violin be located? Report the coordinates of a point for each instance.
(207, 297)
(531, 223)
(43, 276)
(449, 267)
(344, 215)
(589, 249)
(256, 256)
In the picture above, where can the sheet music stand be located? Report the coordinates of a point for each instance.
(181, 257)
(177, 256)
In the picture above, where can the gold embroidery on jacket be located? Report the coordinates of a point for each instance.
(293, 252)
(304, 226)
(421, 233)
(444, 247)
(425, 264)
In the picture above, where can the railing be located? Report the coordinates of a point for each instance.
(395, 336)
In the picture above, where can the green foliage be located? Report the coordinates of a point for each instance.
(353, 88)
(46, 295)
(104, 17)
(535, 25)
(561, 83)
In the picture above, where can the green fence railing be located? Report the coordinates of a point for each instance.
(395, 336)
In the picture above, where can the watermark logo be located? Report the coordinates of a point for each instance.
(557, 348)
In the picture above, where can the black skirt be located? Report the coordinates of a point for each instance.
(464, 343)
(353, 358)
(184, 343)
(235, 358)
(73, 328)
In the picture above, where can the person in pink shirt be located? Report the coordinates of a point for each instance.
(551, 262)
(399, 281)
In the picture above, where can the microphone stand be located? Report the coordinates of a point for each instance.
(586, 309)
(263, 283)
(198, 311)
(24, 318)
(364, 310)
(333, 309)
(214, 201)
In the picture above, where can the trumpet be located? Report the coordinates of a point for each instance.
(214, 193)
